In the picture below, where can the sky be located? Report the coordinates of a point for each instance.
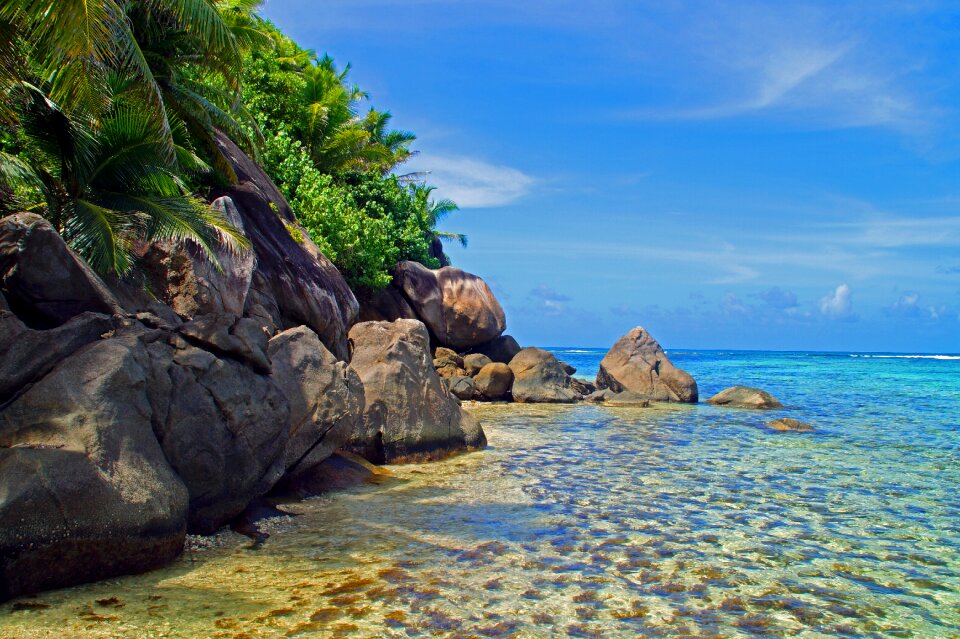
(745, 175)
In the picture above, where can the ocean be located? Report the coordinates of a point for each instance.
(593, 521)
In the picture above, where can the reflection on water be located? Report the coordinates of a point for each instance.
(584, 521)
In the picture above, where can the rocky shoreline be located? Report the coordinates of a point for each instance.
(129, 418)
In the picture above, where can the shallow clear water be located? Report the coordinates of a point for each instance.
(585, 521)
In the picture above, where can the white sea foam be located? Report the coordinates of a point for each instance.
(946, 357)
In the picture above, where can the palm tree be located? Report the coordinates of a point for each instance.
(387, 148)
(107, 192)
(435, 210)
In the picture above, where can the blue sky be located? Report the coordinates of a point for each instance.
(768, 175)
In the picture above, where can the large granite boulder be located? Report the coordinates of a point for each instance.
(293, 282)
(493, 381)
(43, 281)
(85, 490)
(26, 355)
(458, 307)
(539, 378)
(500, 349)
(385, 306)
(409, 414)
(184, 278)
(240, 338)
(222, 426)
(326, 401)
(636, 363)
(473, 362)
(745, 397)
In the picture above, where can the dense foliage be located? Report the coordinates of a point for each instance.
(110, 109)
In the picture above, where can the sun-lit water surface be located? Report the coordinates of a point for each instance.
(585, 521)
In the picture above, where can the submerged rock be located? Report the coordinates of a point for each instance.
(339, 471)
(326, 401)
(538, 377)
(85, 490)
(458, 307)
(790, 424)
(745, 397)
(409, 414)
(44, 282)
(636, 363)
(494, 381)
(624, 398)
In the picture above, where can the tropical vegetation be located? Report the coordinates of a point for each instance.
(110, 110)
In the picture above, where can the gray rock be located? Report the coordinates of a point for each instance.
(183, 277)
(500, 349)
(241, 338)
(582, 387)
(325, 396)
(409, 414)
(446, 357)
(85, 490)
(474, 362)
(43, 281)
(461, 387)
(790, 424)
(625, 398)
(636, 363)
(494, 380)
(458, 307)
(568, 369)
(539, 378)
(745, 397)
(339, 471)
(28, 355)
(222, 427)
(293, 281)
(386, 305)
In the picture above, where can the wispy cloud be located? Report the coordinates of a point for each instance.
(473, 183)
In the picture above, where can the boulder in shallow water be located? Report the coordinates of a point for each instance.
(339, 471)
(409, 414)
(86, 492)
(458, 307)
(325, 396)
(636, 363)
(539, 378)
(790, 424)
(494, 380)
(625, 398)
(745, 397)
(43, 281)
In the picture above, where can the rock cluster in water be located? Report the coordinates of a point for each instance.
(128, 419)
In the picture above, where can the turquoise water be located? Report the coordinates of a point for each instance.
(592, 521)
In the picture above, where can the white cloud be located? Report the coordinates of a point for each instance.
(838, 304)
(473, 183)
